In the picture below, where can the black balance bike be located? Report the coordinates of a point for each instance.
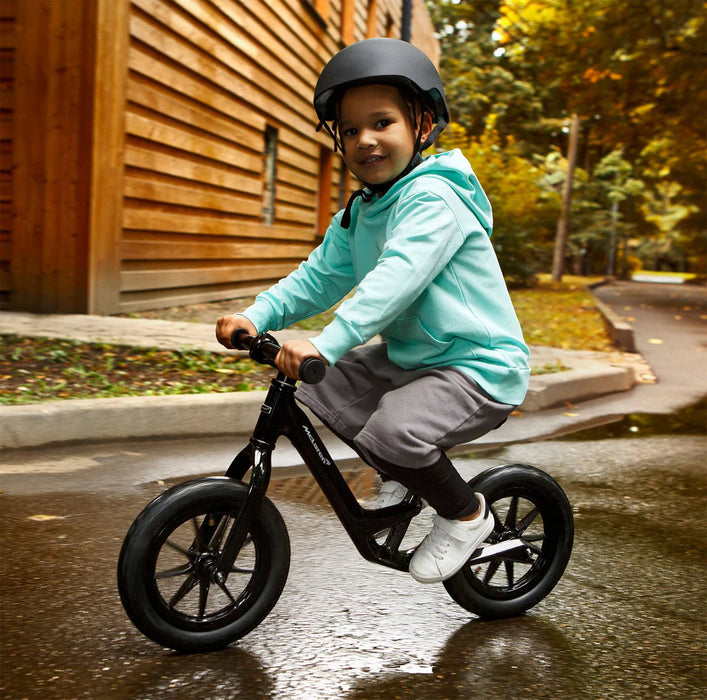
(205, 562)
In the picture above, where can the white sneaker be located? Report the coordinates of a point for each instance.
(448, 546)
(391, 493)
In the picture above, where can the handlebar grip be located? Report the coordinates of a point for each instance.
(264, 348)
(312, 370)
(240, 339)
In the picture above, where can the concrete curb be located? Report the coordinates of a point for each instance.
(84, 420)
(621, 332)
(97, 420)
(588, 381)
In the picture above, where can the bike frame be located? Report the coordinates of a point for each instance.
(280, 415)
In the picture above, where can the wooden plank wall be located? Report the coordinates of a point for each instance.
(206, 77)
(8, 14)
(183, 94)
(52, 97)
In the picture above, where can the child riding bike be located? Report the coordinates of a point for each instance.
(414, 243)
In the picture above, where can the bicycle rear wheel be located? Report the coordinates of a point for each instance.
(529, 505)
(167, 567)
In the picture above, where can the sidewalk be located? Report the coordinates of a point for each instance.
(590, 374)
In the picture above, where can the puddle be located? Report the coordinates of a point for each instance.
(689, 421)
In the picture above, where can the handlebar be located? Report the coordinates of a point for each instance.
(263, 348)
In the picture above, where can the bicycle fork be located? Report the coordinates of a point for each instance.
(257, 457)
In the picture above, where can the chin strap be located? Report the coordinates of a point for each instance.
(367, 193)
(366, 196)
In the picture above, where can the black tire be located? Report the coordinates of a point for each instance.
(528, 504)
(163, 569)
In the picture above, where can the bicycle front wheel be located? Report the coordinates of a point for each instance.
(166, 569)
(530, 506)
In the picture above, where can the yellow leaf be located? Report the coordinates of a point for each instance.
(571, 415)
(655, 341)
(42, 517)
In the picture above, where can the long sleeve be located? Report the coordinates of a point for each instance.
(424, 236)
(317, 284)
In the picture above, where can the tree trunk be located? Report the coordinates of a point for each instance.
(558, 257)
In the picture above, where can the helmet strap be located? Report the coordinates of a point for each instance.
(338, 146)
(367, 193)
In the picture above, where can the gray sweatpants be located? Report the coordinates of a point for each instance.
(407, 417)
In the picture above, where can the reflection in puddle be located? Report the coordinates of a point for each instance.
(688, 421)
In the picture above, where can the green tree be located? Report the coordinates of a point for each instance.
(635, 72)
(524, 211)
(477, 75)
(616, 193)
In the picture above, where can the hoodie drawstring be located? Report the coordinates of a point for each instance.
(365, 195)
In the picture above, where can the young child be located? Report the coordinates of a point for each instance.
(414, 243)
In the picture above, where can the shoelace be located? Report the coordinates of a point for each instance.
(439, 539)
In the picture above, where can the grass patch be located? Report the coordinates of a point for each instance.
(561, 315)
(41, 369)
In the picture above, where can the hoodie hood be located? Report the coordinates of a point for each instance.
(452, 168)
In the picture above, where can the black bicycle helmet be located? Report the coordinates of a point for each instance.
(385, 61)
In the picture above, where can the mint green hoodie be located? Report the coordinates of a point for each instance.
(426, 277)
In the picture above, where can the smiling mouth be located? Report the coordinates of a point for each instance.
(371, 160)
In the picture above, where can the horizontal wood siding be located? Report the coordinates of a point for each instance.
(205, 79)
(172, 158)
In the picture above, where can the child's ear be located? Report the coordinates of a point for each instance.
(426, 125)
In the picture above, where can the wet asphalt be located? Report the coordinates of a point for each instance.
(626, 620)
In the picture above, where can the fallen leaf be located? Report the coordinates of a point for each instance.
(571, 415)
(42, 517)
(655, 341)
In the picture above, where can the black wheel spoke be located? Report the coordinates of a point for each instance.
(187, 586)
(491, 570)
(203, 596)
(223, 587)
(197, 534)
(186, 552)
(241, 570)
(174, 571)
(512, 513)
(509, 572)
(497, 524)
(526, 521)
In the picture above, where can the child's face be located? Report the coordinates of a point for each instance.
(378, 138)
